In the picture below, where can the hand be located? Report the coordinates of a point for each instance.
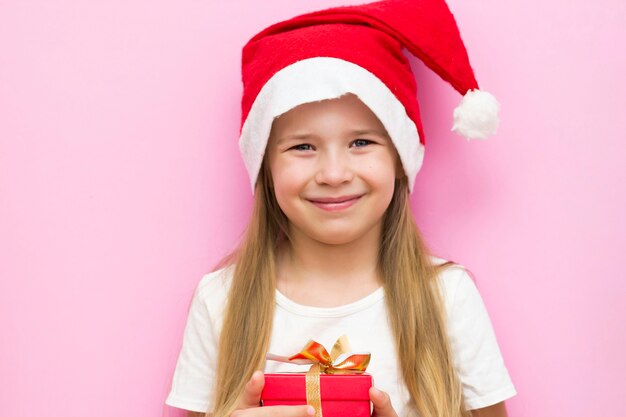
(250, 403)
(382, 404)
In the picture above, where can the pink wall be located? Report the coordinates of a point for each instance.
(121, 184)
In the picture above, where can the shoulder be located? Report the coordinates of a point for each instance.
(451, 275)
(212, 289)
(455, 283)
(474, 346)
(217, 280)
(465, 311)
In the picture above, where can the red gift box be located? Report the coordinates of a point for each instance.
(342, 395)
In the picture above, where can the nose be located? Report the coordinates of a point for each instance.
(334, 169)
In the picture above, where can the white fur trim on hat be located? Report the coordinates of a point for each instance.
(322, 78)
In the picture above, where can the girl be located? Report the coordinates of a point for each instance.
(332, 140)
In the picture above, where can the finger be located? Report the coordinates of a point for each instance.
(251, 396)
(382, 403)
(277, 411)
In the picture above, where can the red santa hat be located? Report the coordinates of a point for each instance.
(358, 49)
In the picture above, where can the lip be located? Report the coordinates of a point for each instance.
(335, 203)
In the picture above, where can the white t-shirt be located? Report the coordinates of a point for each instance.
(476, 354)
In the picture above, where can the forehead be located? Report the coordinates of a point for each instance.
(346, 113)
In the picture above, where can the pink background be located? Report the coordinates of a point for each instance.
(121, 185)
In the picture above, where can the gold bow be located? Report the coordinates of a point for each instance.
(339, 361)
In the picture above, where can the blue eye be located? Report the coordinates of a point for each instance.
(359, 143)
(301, 147)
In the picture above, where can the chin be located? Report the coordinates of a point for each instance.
(338, 237)
(334, 240)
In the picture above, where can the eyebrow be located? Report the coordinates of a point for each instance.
(301, 136)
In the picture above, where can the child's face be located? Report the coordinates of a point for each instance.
(332, 149)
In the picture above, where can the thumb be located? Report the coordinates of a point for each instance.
(382, 403)
(252, 393)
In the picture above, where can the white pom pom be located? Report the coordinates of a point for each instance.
(476, 116)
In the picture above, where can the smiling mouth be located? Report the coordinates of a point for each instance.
(335, 204)
(333, 200)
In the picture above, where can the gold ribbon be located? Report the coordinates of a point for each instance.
(333, 363)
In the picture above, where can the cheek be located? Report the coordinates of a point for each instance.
(381, 170)
(282, 189)
(381, 175)
(288, 183)
(289, 173)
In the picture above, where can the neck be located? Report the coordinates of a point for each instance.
(334, 265)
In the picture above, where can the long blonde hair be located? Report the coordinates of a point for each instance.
(413, 298)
